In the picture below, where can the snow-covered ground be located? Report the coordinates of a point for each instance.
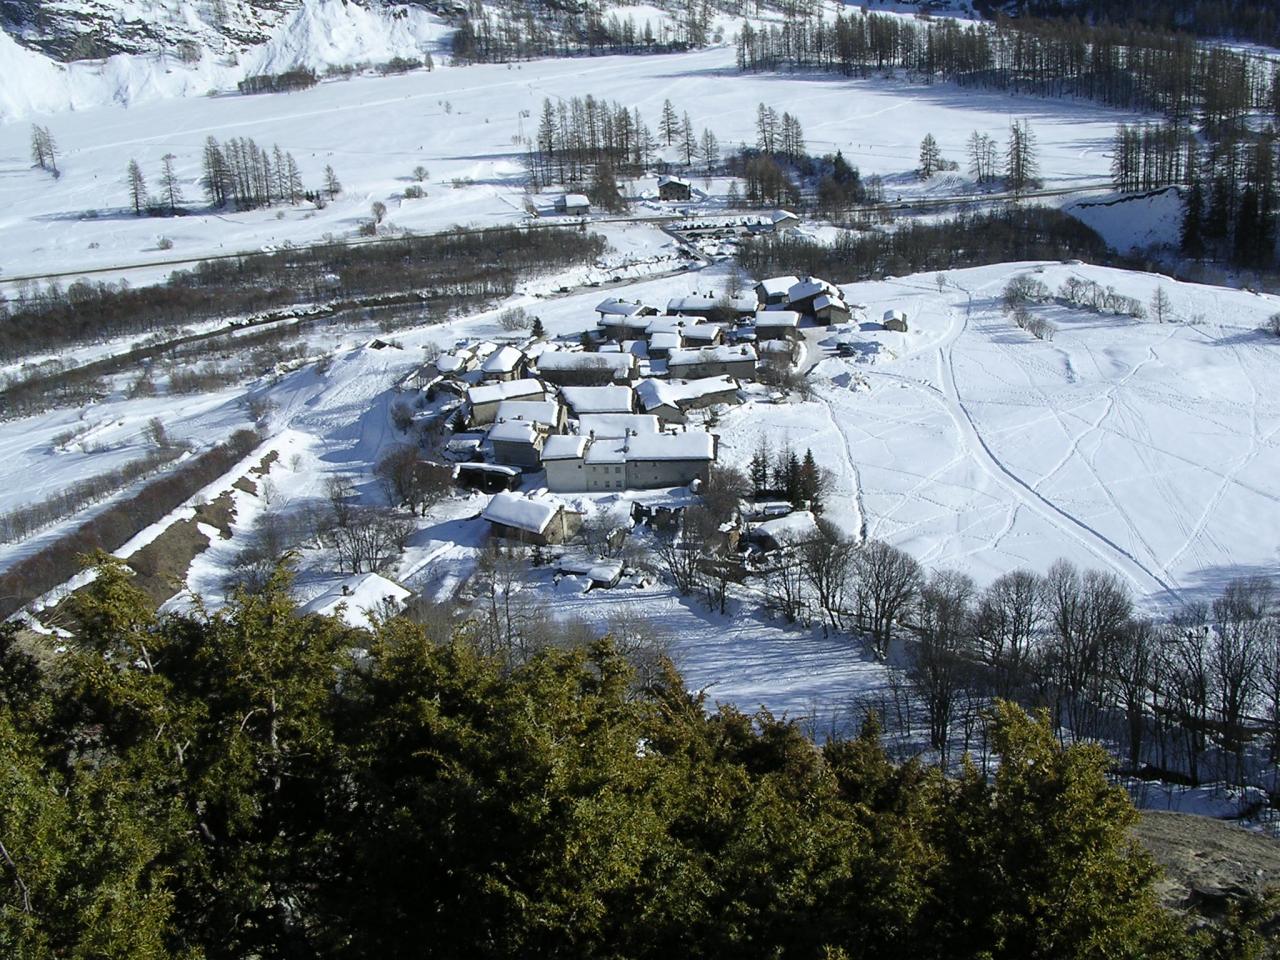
(1123, 444)
(463, 124)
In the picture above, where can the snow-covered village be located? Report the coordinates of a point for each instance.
(584, 478)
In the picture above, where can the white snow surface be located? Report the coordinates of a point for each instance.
(457, 122)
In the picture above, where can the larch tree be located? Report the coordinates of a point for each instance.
(1161, 306)
(669, 125)
(710, 149)
(169, 183)
(930, 157)
(332, 185)
(1021, 166)
(688, 141)
(137, 185)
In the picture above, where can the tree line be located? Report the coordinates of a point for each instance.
(506, 31)
(1135, 69)
(245, 176)
(452, 269)
(1032, 233)
(241, 783)
(1234, 19)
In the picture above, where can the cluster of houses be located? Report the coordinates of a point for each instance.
(611, 412)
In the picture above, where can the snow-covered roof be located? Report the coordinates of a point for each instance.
(700, 303)
(499, 468)
(576, 200)
(671, 393)
(606, 450)
(795, 527)
(777, 286)
(502, 360)
(598, 570)
(691, 445)
(360, 594)
(521, 512)
(666, 340)
(810, 287)
(667, 324)
(613, 398)
(894, 315)
(535, 411)
(616, 424)
(826, 300)
(779, 215)
(663, 181)
(701, 331)
(620, 364)
(509, 390)
(724, 353)
(453, 362)
(616, 307)
(515, 431)
(564, 447)
(777, 318)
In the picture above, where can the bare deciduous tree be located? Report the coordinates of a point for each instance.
(1010, 618)
(886, 581)
(827, 562)
(936, 664)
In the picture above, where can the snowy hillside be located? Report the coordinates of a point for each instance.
(78, 29)
(312, 33)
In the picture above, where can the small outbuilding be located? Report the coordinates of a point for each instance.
(895, 320)
(573, 205)
(487, 477)
(674, 188)
(777, 325)
(505, 363)
(774, 290)
(537, 520)
(829, 310)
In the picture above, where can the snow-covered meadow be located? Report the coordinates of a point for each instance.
(464, 125)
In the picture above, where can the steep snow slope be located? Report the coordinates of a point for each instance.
(318, 33)
(74, 29)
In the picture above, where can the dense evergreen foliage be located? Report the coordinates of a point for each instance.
(242, 784)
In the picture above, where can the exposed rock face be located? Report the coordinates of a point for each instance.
(83, 29)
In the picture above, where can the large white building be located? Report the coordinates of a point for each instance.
(638, 461)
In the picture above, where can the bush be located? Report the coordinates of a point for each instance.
(514, 318)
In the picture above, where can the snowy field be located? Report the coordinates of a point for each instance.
(463, 124)
(1128, 445)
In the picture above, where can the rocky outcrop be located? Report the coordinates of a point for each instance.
(88, 29)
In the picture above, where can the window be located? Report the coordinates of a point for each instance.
(617, 469)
